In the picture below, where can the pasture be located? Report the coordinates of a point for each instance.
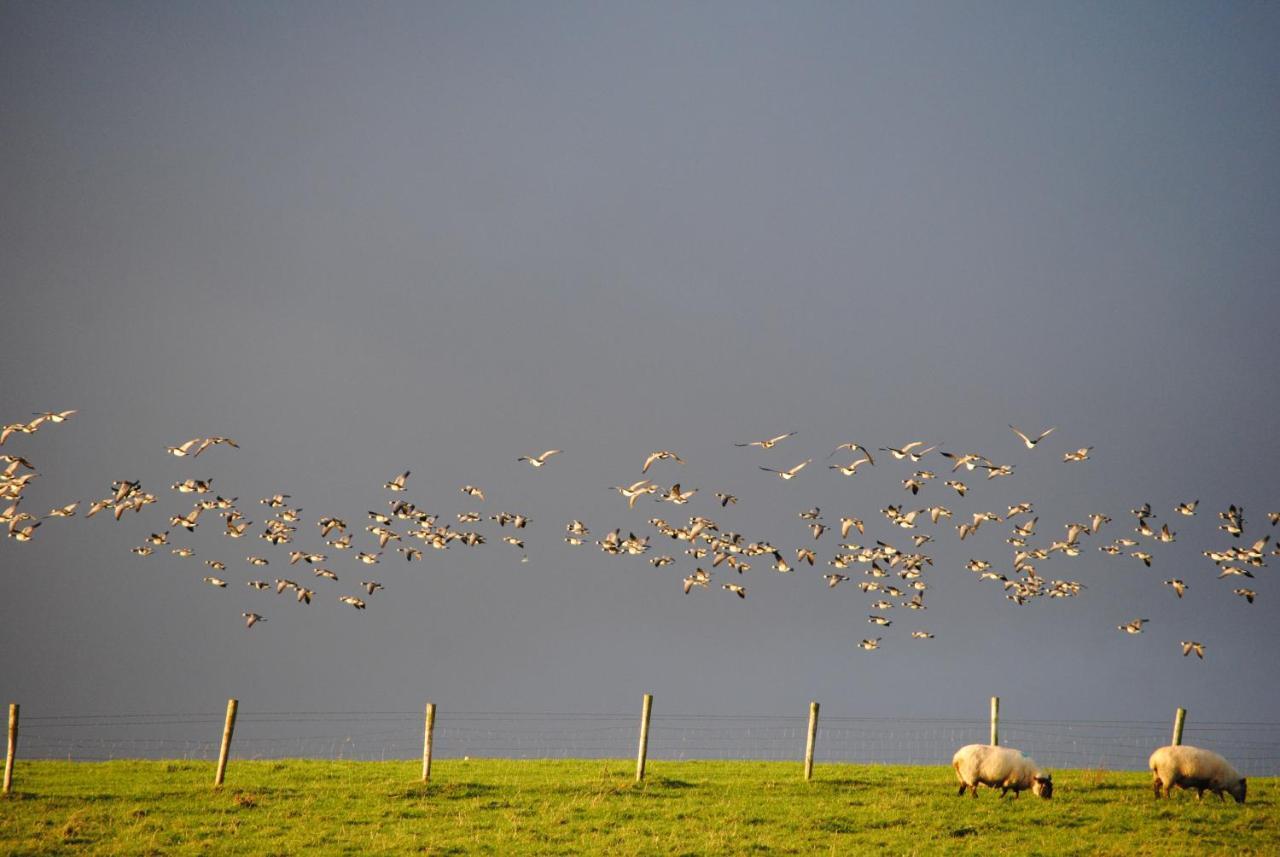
(494, 806)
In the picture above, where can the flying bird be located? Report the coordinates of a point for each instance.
(788, 474)
(1189, 646)
(251, 619)
(1030, 443)
(397, 484)
(767, 444)
(660, 455)
(539, 460)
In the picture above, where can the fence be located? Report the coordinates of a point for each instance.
(1254, 747)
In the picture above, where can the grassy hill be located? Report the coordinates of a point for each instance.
(506, 807)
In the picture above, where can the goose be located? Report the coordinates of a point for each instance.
(183, 449)
(216, 441)
(660, 561)
(969, 460)
(259, 584)
(397, 484)
(905, 451)
(921, 635)
(324, 572)
(216, 581)
(834, 580)
(539, 460)
(67, 511)
(675, 495)
(879, 620)
(251, 619)
(368, 558)
(1081, 454)
(768, 444)
(55, 416)
(1134, 627)
(142, 550)
(855, 447)
(472, 491)
(847, 524)
(736, 589)
(371, 586)
(352, 600)
(726, 499)
(409, 553)
(1144, 556)
(788, 474)
(1189, 646)
(183, 552)
(957, 486)
(698, 578)
(1233, 571)
(805, 555)
(1246, 594)
(850, 469)
(1031, 444)
(1178, 586)
(660, 455)
(870, 645)
(1187, 509)
(257, 560)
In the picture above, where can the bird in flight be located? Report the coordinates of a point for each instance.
(788, 474)
(855, 447)
(1031, 444)
(397, 484)
(767, 444)
(1189, 646)
(1178, 586)
(1134, 627)
(251, 619)
(905, 451)
(1081, 454)
(660, 455)
(870, 645)
(539, 460)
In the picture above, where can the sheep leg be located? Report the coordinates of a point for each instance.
(1157, 783)
(963, 786)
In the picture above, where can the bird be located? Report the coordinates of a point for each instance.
(905, 451)
(1081, 454)
(324, 572)
(921, 635)
(182, 449)
(879, 620)
(957, 486)
(768, 444)
(675, 495)
(251, 619)
(834, 580)
(66, 511)
(855, 447)
(472, 491)
(216, 441)
(539, 460)
(1031, 444)
(371, 586)
(740, 591)
(1189, 646)
(1246, 594)
(397, 484)
(698, 578)
(726, 499)
(1187, 509)
(216, 581)
(1178, 586)
(850, 523)
(1134, 627)
(352, 600)
(850, 469)
(870, 645)
(660, 455)
(788, 474)
(259, 584)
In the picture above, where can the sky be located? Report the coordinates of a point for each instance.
(364, 239)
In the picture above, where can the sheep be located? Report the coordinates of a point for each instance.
(1000, 767)
(1193, 768)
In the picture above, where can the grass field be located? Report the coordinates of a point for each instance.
(581, 807)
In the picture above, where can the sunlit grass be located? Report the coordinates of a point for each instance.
(576, 807)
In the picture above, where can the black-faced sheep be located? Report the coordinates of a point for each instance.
(1000, 767)
(1189, 767)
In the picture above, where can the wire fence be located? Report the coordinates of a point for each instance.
(1253, 747)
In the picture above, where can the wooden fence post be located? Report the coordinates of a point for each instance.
(227, 729)
(428, 735)
(995, 721)
(643, 752)
(13, 747)
(811, 741)
(1178, 720)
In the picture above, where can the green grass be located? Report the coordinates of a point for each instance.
(575, 807)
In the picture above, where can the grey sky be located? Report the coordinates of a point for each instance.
(361, 239)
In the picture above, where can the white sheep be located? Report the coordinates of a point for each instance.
(1193, 768)
(1000, 767)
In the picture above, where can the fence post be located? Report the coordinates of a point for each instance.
(995, 721)
(13, 747)
(227, 729)
(427, 738)
(1178, 720)
(811, 741)
(643, 752)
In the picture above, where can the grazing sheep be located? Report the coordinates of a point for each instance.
(1000, 767)
(1193, 768)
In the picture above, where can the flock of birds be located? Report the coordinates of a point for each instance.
(894, 576)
